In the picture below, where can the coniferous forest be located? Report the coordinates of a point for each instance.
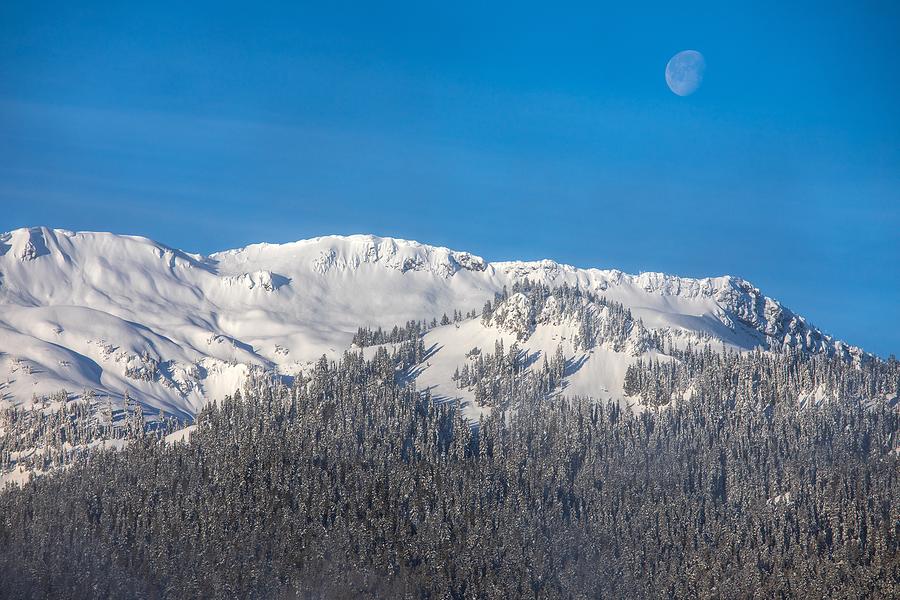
(350, 483)
(450, 301)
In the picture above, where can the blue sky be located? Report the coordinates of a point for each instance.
(512, 130)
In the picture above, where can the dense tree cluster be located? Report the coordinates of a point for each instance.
(54, 430)
(791, 376)
(366, 336)
(350, 483)
(397, 363)
(503, 377)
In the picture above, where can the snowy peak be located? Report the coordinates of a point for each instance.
(780, 328)
(115, 313)
(734, 302)
(63, 260)
(24, 244)
(331, 254)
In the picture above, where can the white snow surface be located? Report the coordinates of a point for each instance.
(176, 330)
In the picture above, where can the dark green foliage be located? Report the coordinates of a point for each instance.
(503, 377)
(55, 430)
(366, 336)
(349, 484)
(761, 377)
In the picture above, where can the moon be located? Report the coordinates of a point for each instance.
(684, 73)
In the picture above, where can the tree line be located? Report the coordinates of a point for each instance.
(351, 483)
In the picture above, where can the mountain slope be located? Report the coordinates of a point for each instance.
(114, 313)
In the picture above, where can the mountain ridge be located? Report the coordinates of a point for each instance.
(114, 312)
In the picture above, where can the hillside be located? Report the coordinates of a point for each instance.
(113, 313)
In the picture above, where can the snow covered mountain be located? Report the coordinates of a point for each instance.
(113, 313)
